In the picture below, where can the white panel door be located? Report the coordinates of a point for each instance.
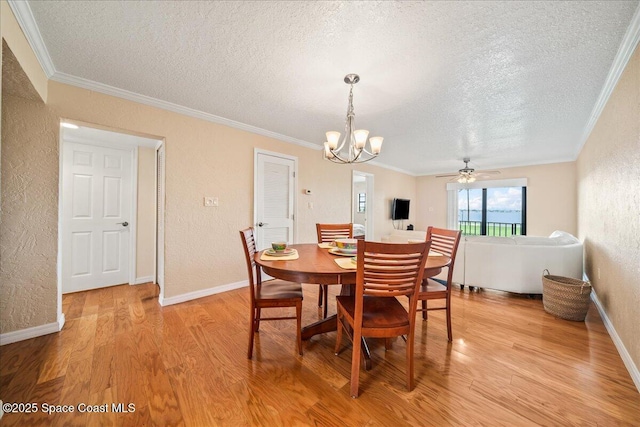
(96, 214)
(274, 199)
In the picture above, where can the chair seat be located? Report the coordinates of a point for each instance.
(279, 289)
(378, 312)
(430, 286)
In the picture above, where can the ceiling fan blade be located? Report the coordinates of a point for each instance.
(447, 175)
(488, 172)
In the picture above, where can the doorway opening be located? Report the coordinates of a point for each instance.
(362, 206)
(111, 206)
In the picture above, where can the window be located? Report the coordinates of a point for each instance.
(362, 202)
(491, 208)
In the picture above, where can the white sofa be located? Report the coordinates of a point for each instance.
(516, 264)
(512, 264)
(403, 236)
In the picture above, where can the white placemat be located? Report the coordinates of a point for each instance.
(346, 263)
(325, 245)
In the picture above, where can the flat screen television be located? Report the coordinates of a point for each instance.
(400, 209)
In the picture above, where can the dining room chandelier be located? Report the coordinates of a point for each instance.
(353, 147)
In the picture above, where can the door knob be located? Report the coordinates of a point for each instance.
(262, 224)
(124, 224)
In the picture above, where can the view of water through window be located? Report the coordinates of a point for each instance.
(503, 211)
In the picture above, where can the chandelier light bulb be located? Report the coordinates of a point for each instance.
(332, 138)
(327, 151)
(376, 144)
(361, 138)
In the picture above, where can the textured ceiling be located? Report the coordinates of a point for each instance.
(505, 83)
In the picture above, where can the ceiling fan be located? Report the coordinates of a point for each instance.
(467, 174)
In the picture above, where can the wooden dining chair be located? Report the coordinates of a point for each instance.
(384, 271)
(327, 233)
(268, 294)
(445, 242)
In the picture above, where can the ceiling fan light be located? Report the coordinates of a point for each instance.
(471, 179)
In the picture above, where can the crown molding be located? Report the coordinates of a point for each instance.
(625, 51)
(169, 106)
(27, 22)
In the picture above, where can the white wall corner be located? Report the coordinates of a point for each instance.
(624, 354)
(33, 332)
(202, 293)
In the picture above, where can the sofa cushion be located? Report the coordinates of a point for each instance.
(564, 238)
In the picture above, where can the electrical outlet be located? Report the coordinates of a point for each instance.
(211, 202)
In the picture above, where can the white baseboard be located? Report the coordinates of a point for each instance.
(141, 280)
(624, 354)
(61, 320)
(33, 332)
(202, 293)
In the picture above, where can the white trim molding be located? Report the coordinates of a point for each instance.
(624, 354)
(625, 51)
(27, 22)
(202, 293)
(22, 11)
(33, 332)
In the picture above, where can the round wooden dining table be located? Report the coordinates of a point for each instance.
(317, 265)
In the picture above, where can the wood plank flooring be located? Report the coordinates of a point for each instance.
(510, 364)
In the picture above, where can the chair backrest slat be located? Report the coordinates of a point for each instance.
(445, 242)
(330, 232)
(390, 269)
(249, 245)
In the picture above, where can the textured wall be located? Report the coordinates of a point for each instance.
(28, 235)
(18, 43)
(206, 159)
(609, 207)
(145, 239)
(551, 198)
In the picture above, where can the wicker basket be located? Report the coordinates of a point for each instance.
(565, 297)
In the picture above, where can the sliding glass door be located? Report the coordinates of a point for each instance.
(492, 211)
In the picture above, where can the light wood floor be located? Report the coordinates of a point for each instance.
(510, 364)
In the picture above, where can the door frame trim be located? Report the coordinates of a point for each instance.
(256, 152)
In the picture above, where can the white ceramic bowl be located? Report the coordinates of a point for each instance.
(347, 246)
